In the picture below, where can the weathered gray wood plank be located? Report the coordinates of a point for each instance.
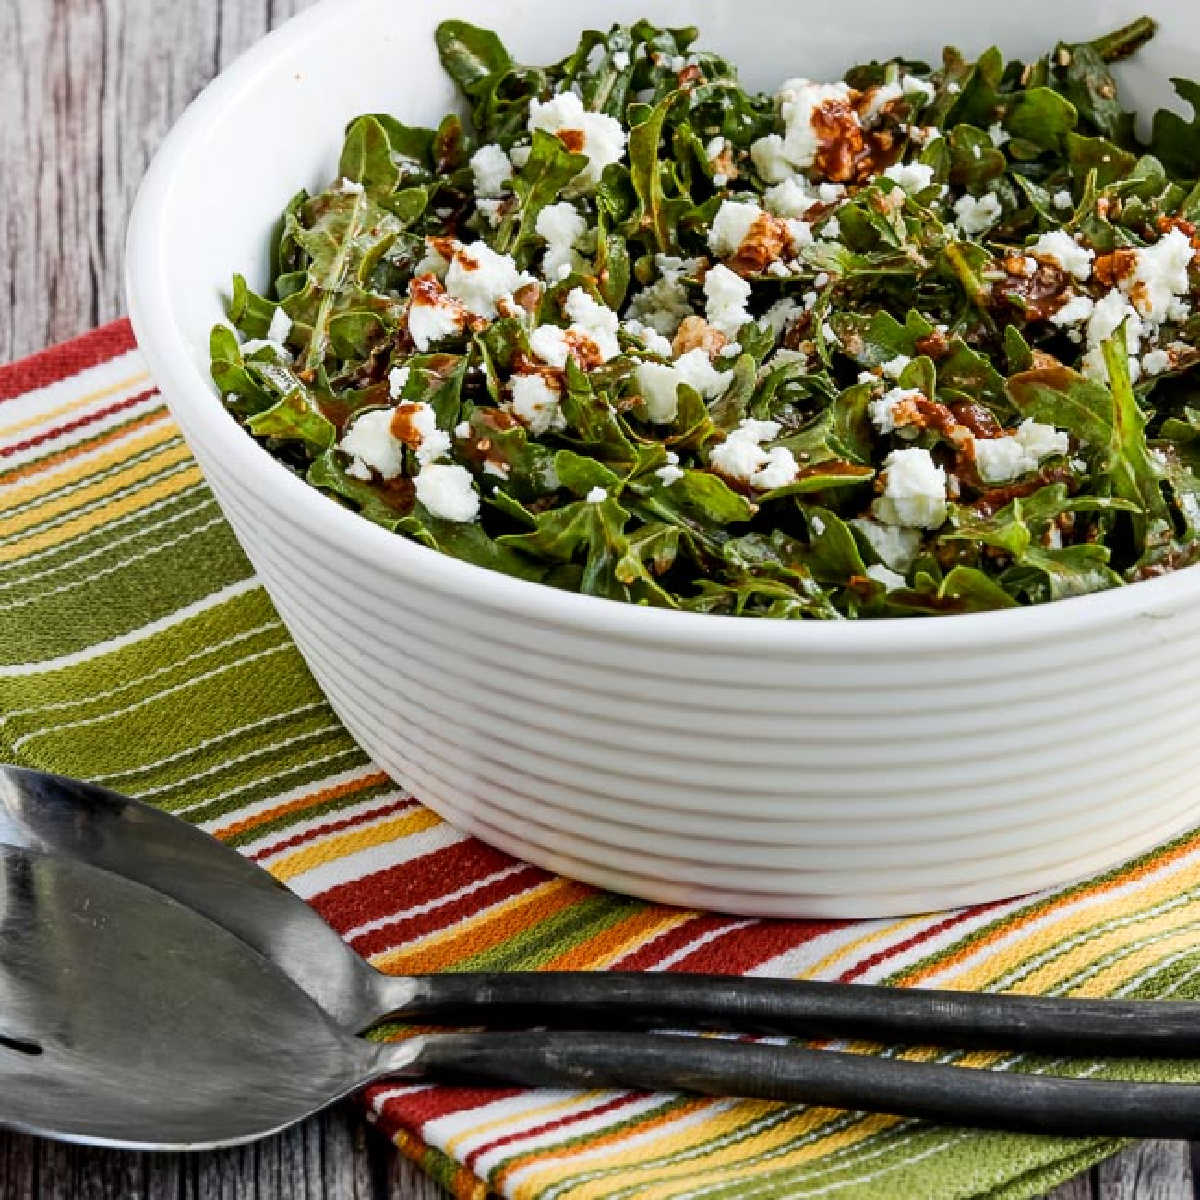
(1150, 1171)
(87, 90)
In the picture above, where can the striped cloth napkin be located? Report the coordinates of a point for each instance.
(137, 650)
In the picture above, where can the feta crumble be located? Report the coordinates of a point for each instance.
(561, 226)
(730, 226)
(1001, 459)
(977, 214)
(372, 447)
(914, 492)
(741, 456)
(447, 491)
(1060, 248)
(603, 137)
(726, 297)
(895, 545)
(890, 579)
(491, 170)
(799, 101)
(280, 327)
(478, 276)
(397, 378)
(912, 177)
(596, 496)
(535, 403)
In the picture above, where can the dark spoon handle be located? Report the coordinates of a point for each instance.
(802, 1008)
(955, 1095)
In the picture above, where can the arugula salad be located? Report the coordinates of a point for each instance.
(920, 340)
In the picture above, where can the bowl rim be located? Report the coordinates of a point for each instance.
(175, 368)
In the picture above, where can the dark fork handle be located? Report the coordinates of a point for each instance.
(936, 1092)
(806, 1009)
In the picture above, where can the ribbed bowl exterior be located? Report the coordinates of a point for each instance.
(776, 770)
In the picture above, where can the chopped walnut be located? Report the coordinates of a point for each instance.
(696, 333)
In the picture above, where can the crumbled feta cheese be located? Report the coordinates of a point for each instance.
(726, 297)
(894, 367)
(479, 276)
(549, 343)
(519, 154)
(715, 147)
(620, 60)
(658, 385)
(799, 101)
(397, 378)
(769, 159)
(975, 214)
(1074, 312)
(1062, 200)
(603, 136)
(779, 470)
(350, 187)
(884, 411)
(1160, 274)
(912, 177)
(696, 370)
(730, 226)
(370, 443)
(818, 526)
(669, 474)
(1108, 314)
(1004, 458)
(596, 496)
(535, 403)
(789, 198)
(447, 491)
(830, 193)
(731, 350)
(500, 469)
(664, 304)
(720, 179)
(491, 169)
(649, 337)
(493, 210)
(914, 492)
(779, 269)
(420, 431)
(433, 263)
(433, 315)
(740, 455)
(890, 579)
(998, 134)
(593, 320)
(462, 430)
(562, 226)
(799, 234)
(280, 327)
(895, 545)
(780, 315)
(1062, 249)
(832, 228)
(1155, 362)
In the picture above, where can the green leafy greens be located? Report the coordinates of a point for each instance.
(919, 341)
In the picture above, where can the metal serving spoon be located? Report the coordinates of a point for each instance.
(64, 816)
(128, 1019)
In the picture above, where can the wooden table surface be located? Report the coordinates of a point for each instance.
(87, 90)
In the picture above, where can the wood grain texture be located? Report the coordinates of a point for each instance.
(87, 90)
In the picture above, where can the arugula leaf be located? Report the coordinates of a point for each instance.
(367, 158)
(294, 418)
(551, 167)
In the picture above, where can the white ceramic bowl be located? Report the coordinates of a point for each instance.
(851, 769)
